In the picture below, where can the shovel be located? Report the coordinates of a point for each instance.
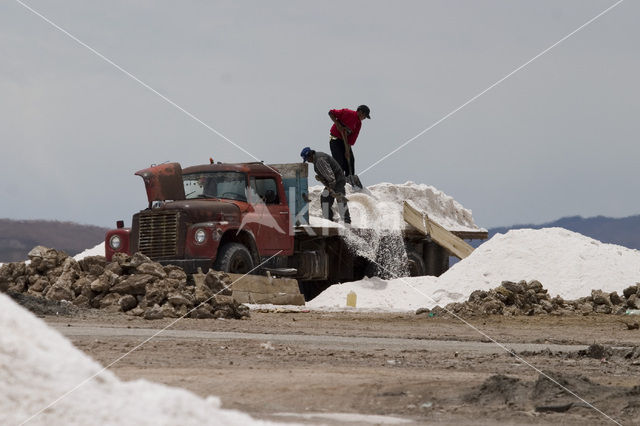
(353, 179)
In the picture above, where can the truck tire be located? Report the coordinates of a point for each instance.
(233, 258)
(415, 262)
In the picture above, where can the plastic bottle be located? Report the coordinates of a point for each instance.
(351, 299)
(632, 312)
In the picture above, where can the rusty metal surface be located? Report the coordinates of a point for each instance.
(253, 168)
(207, 210)
(163, 182)
(159, 234)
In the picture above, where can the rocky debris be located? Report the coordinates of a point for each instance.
(132, 284)
(530, 298)
(551, 393)
(604, 352)
(41, 306)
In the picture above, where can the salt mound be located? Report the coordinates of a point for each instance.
(565, 262)
(38, 365)
(384, 202)
(376, 294)
(95, 251)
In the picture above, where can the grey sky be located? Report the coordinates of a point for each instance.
(556, 139)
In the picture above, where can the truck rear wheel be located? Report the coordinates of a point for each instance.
(233, 258)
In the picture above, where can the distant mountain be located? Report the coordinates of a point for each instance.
(18, 237)
(623, 231)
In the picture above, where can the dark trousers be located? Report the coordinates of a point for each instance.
(326, 203)
(337, 152)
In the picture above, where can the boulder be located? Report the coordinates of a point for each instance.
(79, 284)
(536, 286)
(39, 285)
(113, 267)
(36, 256)
(104, 282)
(514, 287)
(178, 299)
(586, 308)
(6, 276)
(175, 273)
(86, 291)
(82, 301)
(70, 273)
(615, 298)
(633, 302)
(505, 296)
(127, 302)
(218, 282)
(202, 312)
(137, 311)
(629, 291)
(202, 290)
(93, 265)
(182, 311)
(132, 284)
(233, 310)
(600, 297)
(546, 305)
(44, 259)
(480, 295)
(151, 268)
(60, 292)
(492, 307)
(156, 293)
(109, 300)
(153, 313)
(18, 285)
(168, 311)
(602, 309)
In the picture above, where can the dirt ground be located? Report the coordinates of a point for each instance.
(308, 366)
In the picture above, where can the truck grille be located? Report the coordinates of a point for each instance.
(158, 234)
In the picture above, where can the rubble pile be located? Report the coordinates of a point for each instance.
(132, 284)
(531, 298)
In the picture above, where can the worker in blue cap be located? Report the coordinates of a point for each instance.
(329, 172)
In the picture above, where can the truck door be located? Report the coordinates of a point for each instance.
(271, 208)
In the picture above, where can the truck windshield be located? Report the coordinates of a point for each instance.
(229, 185)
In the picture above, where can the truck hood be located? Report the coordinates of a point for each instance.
(163, 182)
(206, 210)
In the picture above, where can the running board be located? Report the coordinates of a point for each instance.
(282, 272)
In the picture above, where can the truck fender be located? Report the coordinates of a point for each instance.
(243, 237)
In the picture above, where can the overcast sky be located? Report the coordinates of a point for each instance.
(557, 138)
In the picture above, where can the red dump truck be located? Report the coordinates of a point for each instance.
(233, 216)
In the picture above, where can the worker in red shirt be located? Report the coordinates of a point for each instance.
(344, 132)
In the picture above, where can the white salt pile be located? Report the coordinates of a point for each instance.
(38, 366)
(566, 263)
(382, 205)
(98, 250)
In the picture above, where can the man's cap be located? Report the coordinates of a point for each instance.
(366, 111)
(305, 153)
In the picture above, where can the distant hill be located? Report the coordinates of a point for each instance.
(18, 237)
(622, 231)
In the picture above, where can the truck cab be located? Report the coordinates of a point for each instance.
(225, 216)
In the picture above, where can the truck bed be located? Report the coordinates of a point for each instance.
(335, 231)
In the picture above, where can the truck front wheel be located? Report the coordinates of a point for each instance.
(233, 258)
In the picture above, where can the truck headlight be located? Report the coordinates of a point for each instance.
(200, 236)
(115, 242)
